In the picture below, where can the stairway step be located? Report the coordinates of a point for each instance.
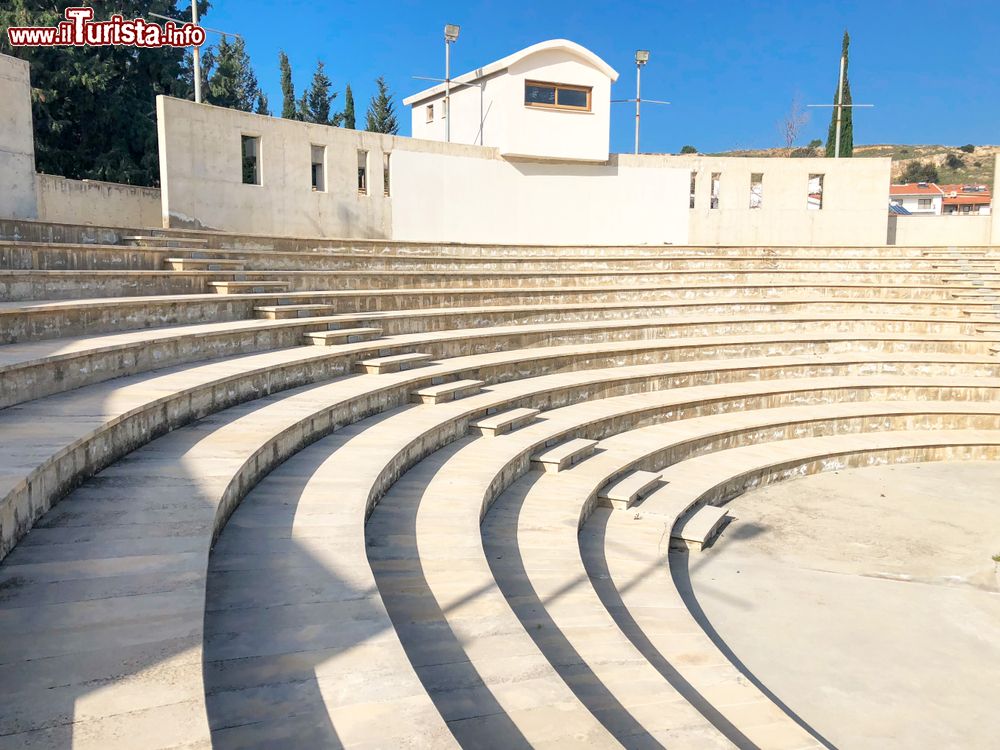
(341, 336)
(695, 529)
(393, 363)
(624, 493)
(504, 422)
(564, 455)
(440, 394)
(283, 312)
(248, 287)
(203, 264)
(152, 240)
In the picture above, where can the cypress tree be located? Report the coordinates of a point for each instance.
(347, 118)
(262, 106)
(289, 110)
(316, 103)
(381, 116)
(847, 114)
(232, 82)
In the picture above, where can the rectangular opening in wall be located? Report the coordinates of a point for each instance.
(756, 190)
(923, 202)
(363, 172)
(251, 159)
(318, 168)
(716, 179)
(385, 173)
(429, 113)
(694, 179)
(815, 192)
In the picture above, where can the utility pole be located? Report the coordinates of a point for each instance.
(450, 35)
(196, 51)
(641, 58)
(840, 106)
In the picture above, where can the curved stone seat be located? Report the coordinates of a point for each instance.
(27, 320)
(38, 369)
(100, 423)
(50, 285)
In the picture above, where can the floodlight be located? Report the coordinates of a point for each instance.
(451, 32)
(641, 56)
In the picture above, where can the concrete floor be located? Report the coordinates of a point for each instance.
(867, 601)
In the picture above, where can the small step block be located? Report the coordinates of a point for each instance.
(393, 363)
(564, 455)
(248, 287)
(445, 392)
(698, 527)
(203, 264)
(341, 336)
(504, 422)
(624, 493)
(285, 312)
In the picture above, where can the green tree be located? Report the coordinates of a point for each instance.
(920, 171)
(847, 116)
(289, 110)
(94, 108)
(262, 106)
(347, 118)
(967, 148)
(316, 103)
(689, 150)
(381, 116)
(231, 82)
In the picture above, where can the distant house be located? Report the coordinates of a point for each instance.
(966, 200)
(918, 198)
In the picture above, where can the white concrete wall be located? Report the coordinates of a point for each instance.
(462, 199)
(855, 209)
(928, 230)
(99, 203)
(17, 145)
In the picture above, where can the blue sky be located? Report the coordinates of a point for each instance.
(730, 67)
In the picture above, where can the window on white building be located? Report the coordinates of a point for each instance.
(923, 202)
(815, 197)
(429, 109)
(716, 179)
(694, 180)
(363, 172)
(250, 147)
(318, 170)
(557, 96)
(756, 190)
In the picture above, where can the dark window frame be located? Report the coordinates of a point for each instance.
(556, 87)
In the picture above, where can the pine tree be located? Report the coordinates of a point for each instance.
(289, 110)
(316, 103)
(262, 106)
(347, 117)
(94, 108)
(381, 117)
(232, 82)
(847, 113)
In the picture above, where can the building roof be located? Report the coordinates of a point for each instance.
(501, 65)
(923, 189)
(969, 199)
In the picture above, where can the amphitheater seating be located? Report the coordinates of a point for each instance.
(290, 493)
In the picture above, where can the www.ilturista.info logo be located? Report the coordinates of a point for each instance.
(80, 30)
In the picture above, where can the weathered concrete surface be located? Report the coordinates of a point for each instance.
(881, 585)
(17, 148)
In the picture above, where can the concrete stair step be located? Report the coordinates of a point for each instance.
(698, 527)
(564, 455)
(203, 264)
(394, 363)
(342, 336)
(152, 240)
(445, 392)
(622, 494)
(283, 312)
(248, 287)
(504, 422)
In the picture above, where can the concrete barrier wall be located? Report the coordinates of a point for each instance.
(925, 231)
(17, 144)
(854, 207)
(97, 203)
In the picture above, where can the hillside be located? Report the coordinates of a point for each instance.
(976, 167)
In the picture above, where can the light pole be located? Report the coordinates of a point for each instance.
(641, 58)
(196, 51)
(839, 106)
(450, 35)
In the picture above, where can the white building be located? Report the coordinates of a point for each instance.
(917, 197)
(551, 100)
